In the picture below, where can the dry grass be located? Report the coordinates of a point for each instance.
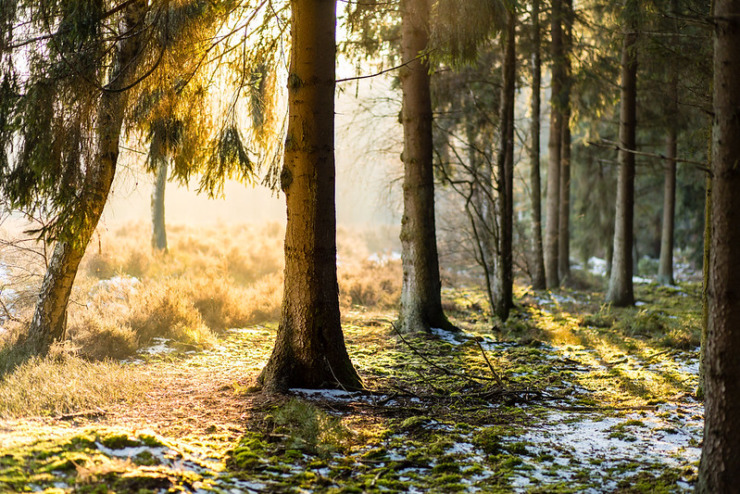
(212, 279)
(64, 382)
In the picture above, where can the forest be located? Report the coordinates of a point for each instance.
(541, 294)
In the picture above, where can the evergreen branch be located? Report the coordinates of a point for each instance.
(370, 76)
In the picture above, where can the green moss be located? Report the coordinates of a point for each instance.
(118, 441)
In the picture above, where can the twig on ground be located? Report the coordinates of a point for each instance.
(490, 366)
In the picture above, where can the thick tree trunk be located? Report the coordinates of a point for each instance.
(554, 147)
(159, 232)
(538, 261)
(309, 349)
(49, 320)
(720, 461)
(620, 291)
(503, 266)
(564, 213)
(421, 302)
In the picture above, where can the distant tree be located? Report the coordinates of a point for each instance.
(538, 260)
(555, 145)
(565, 144)
(309, 349)
(665, 269)
(620, 291)
(421, 300)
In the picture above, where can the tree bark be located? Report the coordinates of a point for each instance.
(554, 147)
(309, 349)
(720, 461)
(620, 291)
(503, 260)
(421, 301)
(564, 212)
(159, 232)
(538, 262)
(49, 320)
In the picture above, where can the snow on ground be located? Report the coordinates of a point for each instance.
(159, 347)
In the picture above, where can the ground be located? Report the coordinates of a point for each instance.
(568, 396)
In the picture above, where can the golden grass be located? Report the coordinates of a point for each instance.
(63, 383)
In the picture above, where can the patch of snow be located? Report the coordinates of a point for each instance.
(160, 346)
(121, 287)
(640, 303)
(641, 280)
(453, 338)
(597, 266)
(462, 449)
(133, 451)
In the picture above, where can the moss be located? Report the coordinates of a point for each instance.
(118, 441)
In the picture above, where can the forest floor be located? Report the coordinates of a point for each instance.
(568, 396)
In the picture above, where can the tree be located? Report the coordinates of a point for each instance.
(503, 258)
(555, 145)
(159, 232)
(620, 291)
(309, 348)
(720, 460)
(538, 261)
(421, 300)
(565, 146)
(665, 269)
(49, 319)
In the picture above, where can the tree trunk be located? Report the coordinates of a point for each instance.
(706, 258)
(503, 267)
(421, 302)
(554, 147)
(49, 320)
(538, 263)
(720, 461)
(620, 291)
(665, 269)
(159, 232)
(564, 213)
(309, 349)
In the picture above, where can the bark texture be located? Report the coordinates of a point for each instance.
(309, 348)
(538, 261)
(554, 147)
(159, 231)
(503, 260)
(49, 320)
(421, 302)
(720, 461)
(620, 292)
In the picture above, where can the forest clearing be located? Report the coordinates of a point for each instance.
(506, 257)
(592, 398)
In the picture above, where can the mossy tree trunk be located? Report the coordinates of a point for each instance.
(620, 291)
(421, 301)
(49, 320)
(538, 261)
(309, 349)
(503, 259)
(720, 460)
